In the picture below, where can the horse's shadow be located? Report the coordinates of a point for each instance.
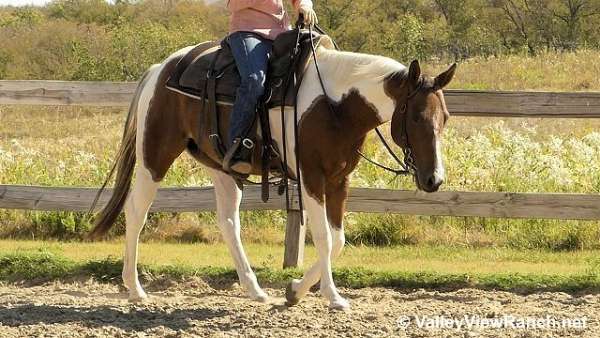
(101, 316)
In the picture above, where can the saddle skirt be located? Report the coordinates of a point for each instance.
(214, 61)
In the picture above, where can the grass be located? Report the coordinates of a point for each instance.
(406, 267)
(399, 258)
(548, 71)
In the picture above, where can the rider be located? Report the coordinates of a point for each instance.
(253, 26)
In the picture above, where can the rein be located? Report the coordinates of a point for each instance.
(408, 166)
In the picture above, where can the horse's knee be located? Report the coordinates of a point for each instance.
(229, 226)
(320, 235)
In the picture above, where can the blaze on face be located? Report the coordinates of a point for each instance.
(419, 120)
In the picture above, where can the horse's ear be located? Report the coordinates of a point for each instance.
(414, 72)
(444, 79)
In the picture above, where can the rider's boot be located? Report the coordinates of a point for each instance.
(238, 157)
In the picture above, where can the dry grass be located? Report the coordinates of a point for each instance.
(548, 71)
(68, 146)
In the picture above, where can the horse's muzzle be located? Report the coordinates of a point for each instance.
(431, 183)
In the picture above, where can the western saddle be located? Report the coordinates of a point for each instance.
(208, 73)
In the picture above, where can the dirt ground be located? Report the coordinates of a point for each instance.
(193, 308)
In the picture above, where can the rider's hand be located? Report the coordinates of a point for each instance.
(310, 17)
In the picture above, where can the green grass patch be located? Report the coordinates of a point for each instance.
(38, 265)
(46, 264)
(407, 258)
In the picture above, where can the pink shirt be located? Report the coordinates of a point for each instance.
(265, 17)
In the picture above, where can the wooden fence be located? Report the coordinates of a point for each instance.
(448, 203)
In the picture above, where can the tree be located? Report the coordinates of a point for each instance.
(572, 13)
(519, 14)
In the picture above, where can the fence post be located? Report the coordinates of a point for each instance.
(295, 233)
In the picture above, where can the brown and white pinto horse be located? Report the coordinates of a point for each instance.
(367, 91)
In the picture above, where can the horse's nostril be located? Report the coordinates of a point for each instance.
(434, 181)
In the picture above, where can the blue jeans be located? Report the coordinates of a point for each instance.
(251, 53)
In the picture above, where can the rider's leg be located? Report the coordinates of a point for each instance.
(251, 54)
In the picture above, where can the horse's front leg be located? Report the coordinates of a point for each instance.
(229, 197)
(298, 288)
(336, 194)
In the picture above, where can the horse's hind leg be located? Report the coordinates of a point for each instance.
(137, 206)
(229, 197)
(136, 210)
(159, 142)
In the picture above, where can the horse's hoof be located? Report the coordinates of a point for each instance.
(138, 298)
(261, 297)
(291, 296)
(339, 305)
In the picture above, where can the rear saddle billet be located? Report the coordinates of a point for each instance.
(208, 73)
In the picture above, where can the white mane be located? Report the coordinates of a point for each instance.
(351, 65)
(345, 71)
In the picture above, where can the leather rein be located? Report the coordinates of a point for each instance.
(408, 166)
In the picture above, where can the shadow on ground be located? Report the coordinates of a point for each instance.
(102, 316)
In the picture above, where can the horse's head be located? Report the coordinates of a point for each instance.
(418, 121)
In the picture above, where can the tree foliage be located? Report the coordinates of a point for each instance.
(95, 40)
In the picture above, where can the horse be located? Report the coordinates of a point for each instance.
(363, 92)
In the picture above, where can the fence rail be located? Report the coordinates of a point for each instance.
(448, 203)
(460, 102)
(445, 203)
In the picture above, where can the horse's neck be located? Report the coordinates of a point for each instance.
(345, 72)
